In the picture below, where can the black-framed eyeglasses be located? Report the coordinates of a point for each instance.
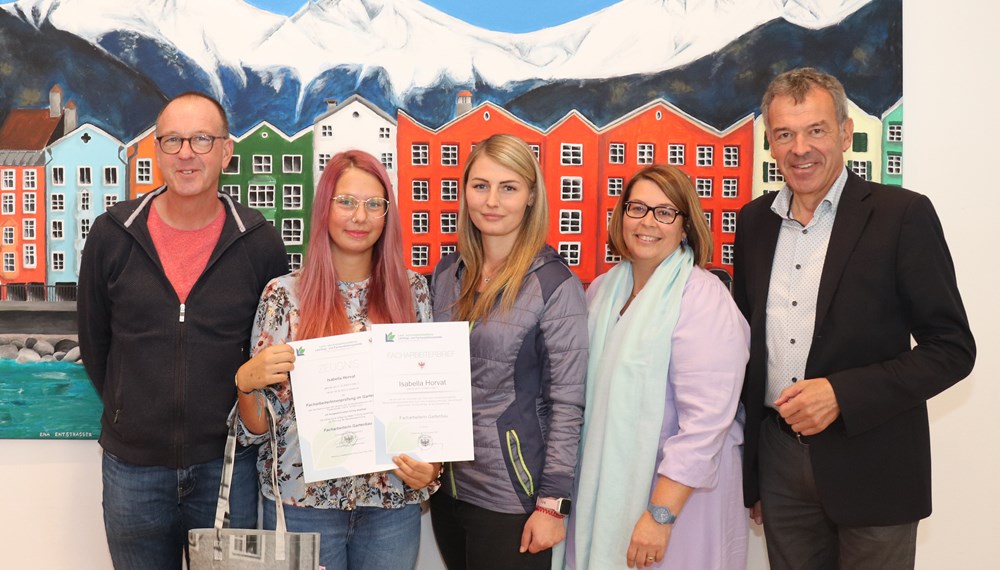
(200, 144)
(662, 214)
(374, 206)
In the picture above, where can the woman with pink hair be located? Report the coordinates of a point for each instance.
(353, 276)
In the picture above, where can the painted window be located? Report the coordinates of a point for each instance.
(232, 190)
(28, 229)
(260, 196)
(570, 221)
(291, 231)
(111, 176)
(645, 153)
(449, 155)
(730, 156)
(29, 204)
(860, 142)
(730, 187)
(30, 260)
(616, 153)
(420, 222)
(675, 154)
(570, 252)
(56, 229)
(326, 131)
(704, 187)
(706, 155)
(610, 257)
(110, 200)
(384, 132)
(727, 254)
(291, 163)
(84, 228)
(729, 222)
(448, 248)
(420, 190)
(294, 261)
(84, 176)
(261, 164)
(58, 176)
(771, 172)
(862, 168)
(291, 196)
(449, 190)
(8, 204)
(708, 219)
(234, 165)
(571, 188)
(30, 181)
(536, 150)
(419, 255)
(388, 160)
(449, 222)
(894, 164)
(8, 235)
(324, 157)
(144, 170)
(895, 132)
(57, 202)
(8, 178)
(571, 154)
(615, 186)
(419, 154)
(84, 200)
(58, 261)
(8, 262)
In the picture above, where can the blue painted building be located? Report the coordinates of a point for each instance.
(85, 175)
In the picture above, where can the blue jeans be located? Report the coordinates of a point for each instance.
(367, 538)
(149, 510)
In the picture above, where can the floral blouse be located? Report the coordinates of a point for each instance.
(277, 322)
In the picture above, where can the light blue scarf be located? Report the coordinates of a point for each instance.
(626, 391)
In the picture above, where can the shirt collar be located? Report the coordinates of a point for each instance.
(782, 205)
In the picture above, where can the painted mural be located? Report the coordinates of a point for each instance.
(632, 83)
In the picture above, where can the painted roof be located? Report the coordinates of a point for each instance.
(358, 98)
(22, 157)
(28, 129)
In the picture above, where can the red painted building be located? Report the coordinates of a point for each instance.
(430, 172)
(585, 170)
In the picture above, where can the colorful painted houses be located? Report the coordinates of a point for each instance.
(56, 178)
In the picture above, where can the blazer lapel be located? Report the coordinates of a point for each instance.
(852, 217)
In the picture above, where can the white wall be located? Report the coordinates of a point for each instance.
(51, 514)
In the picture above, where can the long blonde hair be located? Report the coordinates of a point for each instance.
(513, 153)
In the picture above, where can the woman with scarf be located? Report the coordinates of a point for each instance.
(659, 480)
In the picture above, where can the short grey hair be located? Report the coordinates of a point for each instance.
(796, 83)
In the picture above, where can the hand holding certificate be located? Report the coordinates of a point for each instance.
(363, 398)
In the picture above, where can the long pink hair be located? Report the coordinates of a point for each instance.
(389, 297)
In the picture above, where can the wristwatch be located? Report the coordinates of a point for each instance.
(561, 506)
(660, 514)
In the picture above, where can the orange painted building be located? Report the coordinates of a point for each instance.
(143, 173)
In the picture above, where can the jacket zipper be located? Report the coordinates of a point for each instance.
(513, 442)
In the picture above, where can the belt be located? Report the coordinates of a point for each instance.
(784, 427)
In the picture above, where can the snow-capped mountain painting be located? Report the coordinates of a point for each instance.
(407, 54)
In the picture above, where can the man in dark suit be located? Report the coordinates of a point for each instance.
(835, 274)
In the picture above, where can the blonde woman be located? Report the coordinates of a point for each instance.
(528, 340)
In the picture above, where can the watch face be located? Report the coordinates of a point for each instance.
(565, 505)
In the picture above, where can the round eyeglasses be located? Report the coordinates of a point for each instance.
(374, 206)
(200, 144)
(662, 214)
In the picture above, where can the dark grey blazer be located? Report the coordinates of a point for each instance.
(888, 275)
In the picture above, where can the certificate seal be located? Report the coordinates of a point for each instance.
(348, 439)
(425, 441)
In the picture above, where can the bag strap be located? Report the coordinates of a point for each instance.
(222, 518)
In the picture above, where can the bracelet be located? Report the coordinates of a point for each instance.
(236, 380)
(550, 512)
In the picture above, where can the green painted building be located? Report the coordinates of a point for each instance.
(892, 145)
(273, 173)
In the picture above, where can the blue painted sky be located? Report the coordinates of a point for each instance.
(506, 16)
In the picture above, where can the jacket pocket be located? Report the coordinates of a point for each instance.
(517, 464)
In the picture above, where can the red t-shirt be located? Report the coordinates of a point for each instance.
(184, 253)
